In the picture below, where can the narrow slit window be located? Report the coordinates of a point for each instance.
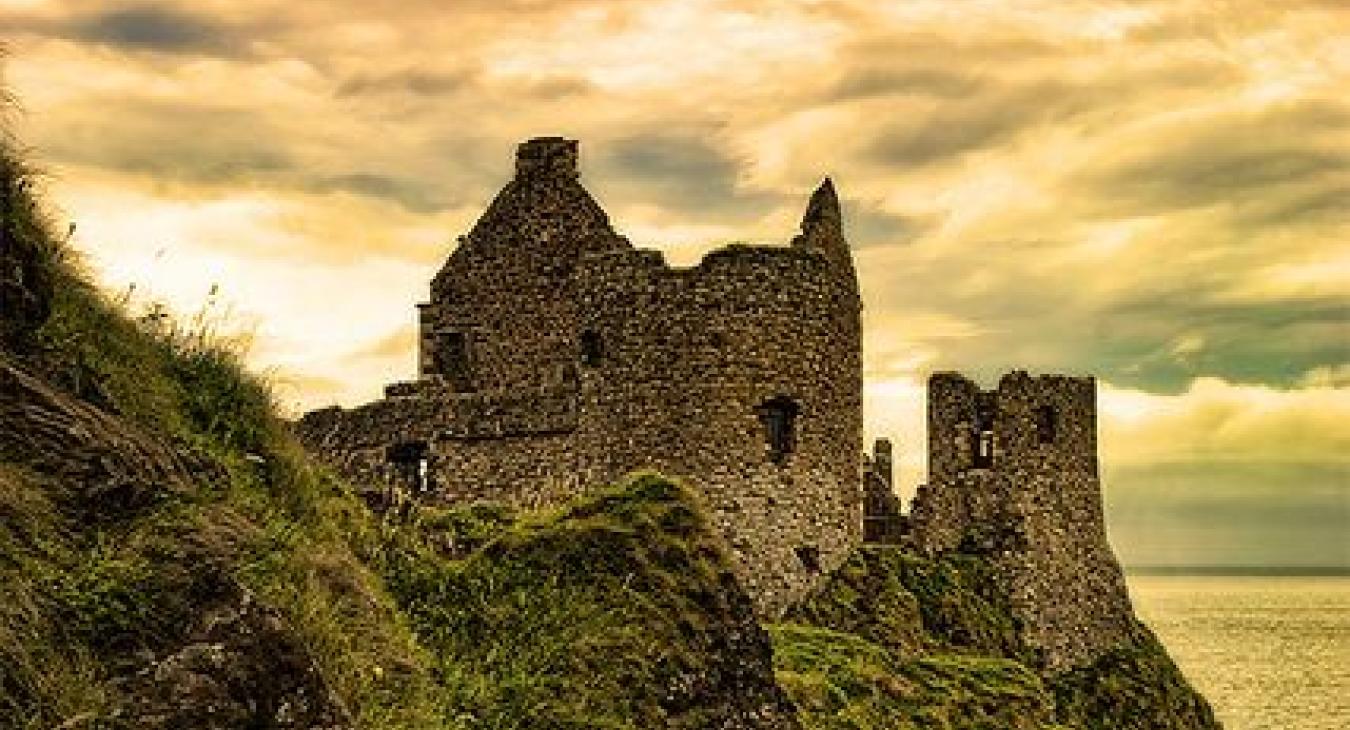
(452, 360)
(1047, 424)
(779, 416)
(982, 437)
(592, 348)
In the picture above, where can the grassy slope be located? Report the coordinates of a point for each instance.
(840, 681)
(95, 591)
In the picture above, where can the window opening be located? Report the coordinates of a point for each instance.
(452, 360)
(779, 416)
(1047, 424)
(411, 466)
(592, 349)
(983, 436)
(809, 555)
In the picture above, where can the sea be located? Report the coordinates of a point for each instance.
(1270, 652)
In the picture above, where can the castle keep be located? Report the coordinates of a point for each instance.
(555, 357)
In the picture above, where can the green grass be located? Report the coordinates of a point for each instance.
(617, 610)
(91, 592)
(915, 605)
(840, 681)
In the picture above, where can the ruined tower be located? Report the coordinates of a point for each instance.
(555, 357)
(1013, 475)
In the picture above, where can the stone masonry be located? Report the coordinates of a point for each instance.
(1013, 475)
(556, 357)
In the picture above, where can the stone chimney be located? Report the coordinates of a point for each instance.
(547, 157)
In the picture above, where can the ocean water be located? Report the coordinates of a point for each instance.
(1269, 652)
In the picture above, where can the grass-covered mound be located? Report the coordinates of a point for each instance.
(861, 648)
(913, 605)
(618, 610)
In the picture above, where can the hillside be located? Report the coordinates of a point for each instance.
(172, 559)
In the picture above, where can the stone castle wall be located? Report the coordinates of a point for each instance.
(692, 359)
(555, 357)
(1013, 474)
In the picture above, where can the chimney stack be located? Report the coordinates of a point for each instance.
(547, 157)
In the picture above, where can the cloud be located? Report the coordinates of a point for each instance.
(409, 81)
(684, 173)
(1225, 514)
(1230, 158)
(1150, 192)
(863, 83)
(1214, 420)
(156, 28)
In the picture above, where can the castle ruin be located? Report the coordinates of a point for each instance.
(1013, 476)
(555, 357)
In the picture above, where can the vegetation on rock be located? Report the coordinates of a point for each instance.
(855, 655)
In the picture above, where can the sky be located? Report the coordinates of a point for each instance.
(1154, 192)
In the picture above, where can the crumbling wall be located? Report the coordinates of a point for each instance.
(884, 521)
(1034, 505)
(556, 358)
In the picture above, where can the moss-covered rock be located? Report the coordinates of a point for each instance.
(898, 611)
(619, 610)
(1134, 687)
(914, 605)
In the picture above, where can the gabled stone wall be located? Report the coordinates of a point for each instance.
(556, 357)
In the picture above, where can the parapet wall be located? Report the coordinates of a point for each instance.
(1014, 475)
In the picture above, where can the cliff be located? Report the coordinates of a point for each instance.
(912, 626)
